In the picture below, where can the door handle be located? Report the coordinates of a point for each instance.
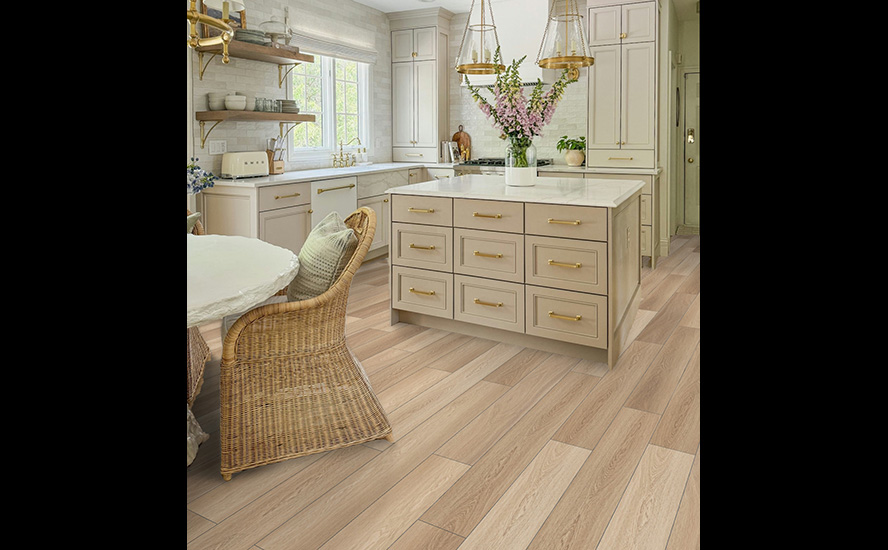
(690, 135)
(335, 188)
(690, 160)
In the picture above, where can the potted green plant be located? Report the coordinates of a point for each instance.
(576, 150)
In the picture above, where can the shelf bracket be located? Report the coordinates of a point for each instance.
(282, 74)
(204, 136)
(283, 133)
(201, 66)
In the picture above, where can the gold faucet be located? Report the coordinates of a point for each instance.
(343, 160)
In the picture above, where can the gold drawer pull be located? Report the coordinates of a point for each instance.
(423, 292)
(422, 210)
(335, 188)
(276, 197)
(495, 216)
(619, 158)
(566, 318)
(575, 222)
(483, 255)
(559, 264)
(432, 247)
(491, 304)
(413, 154)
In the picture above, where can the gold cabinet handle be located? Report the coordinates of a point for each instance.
(622, 35)
(483, 255)
(490, 304)
(619, 158)
(422, 210)
(494, 216)
(432, 247)
(565, 317)
(423, 292)
(276, 197)
(385, 200)
(566, 222)
(413, 154)
(335, 188)
(575, 266)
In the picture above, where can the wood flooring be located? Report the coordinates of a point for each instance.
(495, 446)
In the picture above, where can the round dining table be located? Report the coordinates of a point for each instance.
(228, 274)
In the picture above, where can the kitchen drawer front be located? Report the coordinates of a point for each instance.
(282, 196)
(566, 263)
(489, 254)
(566, 316)
(490, 215)
(414, 154)
(573, 222)
(490, 303)
(646, 209)
(421, 291)
(422, 209)
(422, 246)
(620, 158)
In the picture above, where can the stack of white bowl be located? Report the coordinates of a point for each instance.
(251, 101)
(216, 101)
(235, 102)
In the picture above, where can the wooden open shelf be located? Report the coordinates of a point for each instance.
(242, 116)
(269, 54)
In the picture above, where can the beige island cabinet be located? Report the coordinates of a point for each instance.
(555, 267)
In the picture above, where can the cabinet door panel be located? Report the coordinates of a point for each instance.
(402, 104)
(638, 96)
(402, 45)
(604, 26)
(335, 196)
(426, 105)
(604, 98)
(639, 22)
(286, 227)
(424, 41)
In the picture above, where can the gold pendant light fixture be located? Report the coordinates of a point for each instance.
(476, 54)
(195, 17)
(563, 45)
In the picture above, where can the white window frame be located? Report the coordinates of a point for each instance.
(328, 107)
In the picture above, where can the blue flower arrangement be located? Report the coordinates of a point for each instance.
(198, 178)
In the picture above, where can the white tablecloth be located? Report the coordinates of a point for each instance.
(229, 274)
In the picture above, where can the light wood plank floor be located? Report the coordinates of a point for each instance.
(496, 446)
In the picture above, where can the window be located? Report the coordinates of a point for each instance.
(335, 92)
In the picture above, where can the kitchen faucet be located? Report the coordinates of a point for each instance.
(343, 160)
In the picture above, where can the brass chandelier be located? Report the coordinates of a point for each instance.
(195, 17)
(476, 55)
(563, 45)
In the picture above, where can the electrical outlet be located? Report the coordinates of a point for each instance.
(218, 146)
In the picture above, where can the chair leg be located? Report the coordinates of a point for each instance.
(390, 437)
(226, 477)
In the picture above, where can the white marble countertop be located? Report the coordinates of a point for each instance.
(575, 191)
(325, 173)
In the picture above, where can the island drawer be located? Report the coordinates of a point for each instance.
(620, 158)
(282, 196)
(489, 254)
(421, 291)
(422, 209)
(566, 315)
(490, 303)
(569, 264)
(491, 215)
(422, 246)
(573, 222)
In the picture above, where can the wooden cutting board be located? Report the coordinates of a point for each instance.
(464, 142)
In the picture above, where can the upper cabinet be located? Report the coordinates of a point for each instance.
(622, 24)
(414, 44)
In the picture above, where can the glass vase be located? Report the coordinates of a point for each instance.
(521, 163)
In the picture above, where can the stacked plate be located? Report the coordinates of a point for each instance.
(289, 106)
(250, 35)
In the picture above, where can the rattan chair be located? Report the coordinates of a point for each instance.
(198, 350)
(289, 384)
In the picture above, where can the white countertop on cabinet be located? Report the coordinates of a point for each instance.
(324, 173)
(574, 191)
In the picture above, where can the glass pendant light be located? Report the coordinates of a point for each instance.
(563, 45)
(478, 46)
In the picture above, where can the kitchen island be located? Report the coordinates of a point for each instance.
(555, 267)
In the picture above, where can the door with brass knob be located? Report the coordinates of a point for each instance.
(691, 109)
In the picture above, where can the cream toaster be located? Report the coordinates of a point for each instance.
(245, 164)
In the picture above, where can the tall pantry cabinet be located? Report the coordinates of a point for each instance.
(420, 108)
